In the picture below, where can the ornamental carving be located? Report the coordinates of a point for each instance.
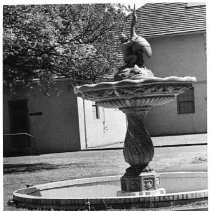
(135, 102)
(157, 181)
(148, 183)
(138, 148)
(133, 91)
(134, 185)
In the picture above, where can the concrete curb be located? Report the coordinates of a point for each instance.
(22, 199)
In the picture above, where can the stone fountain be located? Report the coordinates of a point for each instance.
(135, 98)
(134, 91)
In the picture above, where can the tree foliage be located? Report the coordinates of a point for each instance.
(48, 41)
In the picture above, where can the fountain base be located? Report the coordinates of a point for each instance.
(144, 182)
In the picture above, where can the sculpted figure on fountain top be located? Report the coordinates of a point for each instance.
(133, 51)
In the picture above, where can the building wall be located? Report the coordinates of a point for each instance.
(109, 128)
(57, 129)
(183, 55)
(68, 124)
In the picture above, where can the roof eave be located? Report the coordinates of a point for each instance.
(174, 34)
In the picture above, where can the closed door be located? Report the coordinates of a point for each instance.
(19, 123)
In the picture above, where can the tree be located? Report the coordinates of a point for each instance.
(50, 41)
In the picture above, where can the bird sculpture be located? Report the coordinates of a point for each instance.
(138, 41)
(133, 50)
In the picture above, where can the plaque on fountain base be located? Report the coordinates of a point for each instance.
(147, 183)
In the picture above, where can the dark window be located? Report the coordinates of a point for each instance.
(96, 111)
(185, 102)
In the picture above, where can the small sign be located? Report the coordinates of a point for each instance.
(36, 114)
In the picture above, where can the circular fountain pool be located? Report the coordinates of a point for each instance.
(101, 192)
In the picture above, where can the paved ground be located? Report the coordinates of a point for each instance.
(167, 140)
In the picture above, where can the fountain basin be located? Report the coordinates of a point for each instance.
(101, 193)
(135, 93)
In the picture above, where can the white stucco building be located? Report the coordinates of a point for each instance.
(35, 123)
(177, 35)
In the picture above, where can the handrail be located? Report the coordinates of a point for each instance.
(16, 134)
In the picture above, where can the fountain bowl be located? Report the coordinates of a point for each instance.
(135, 93)
(184, 190)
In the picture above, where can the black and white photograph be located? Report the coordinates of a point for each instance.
(104, 105)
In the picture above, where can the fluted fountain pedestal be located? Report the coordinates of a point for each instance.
(135, 98)
(138, 148)
(139, 178)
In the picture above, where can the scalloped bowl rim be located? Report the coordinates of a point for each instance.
(130, 82)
